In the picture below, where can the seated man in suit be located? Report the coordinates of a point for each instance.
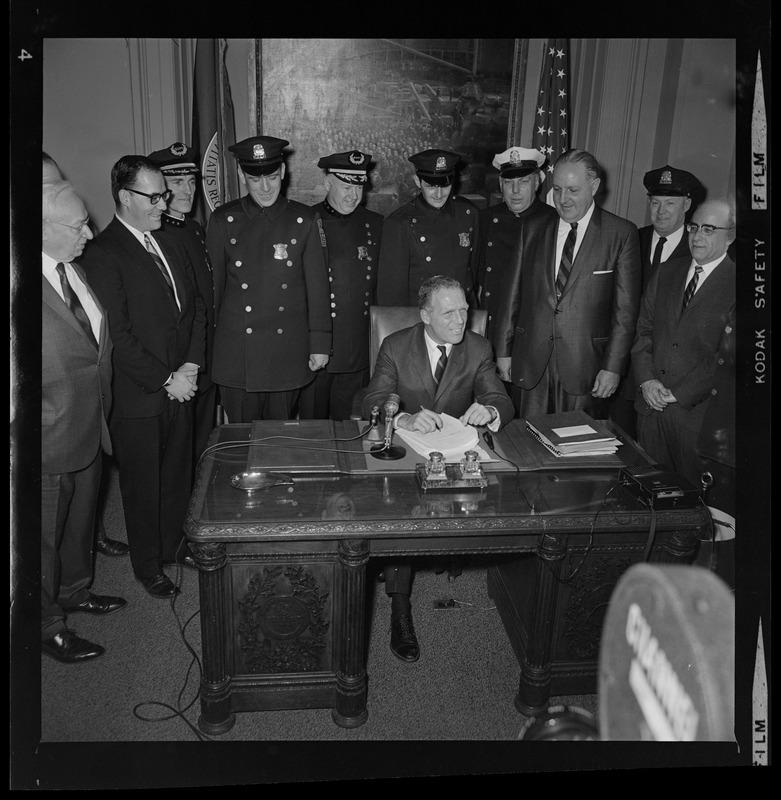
(436, 366)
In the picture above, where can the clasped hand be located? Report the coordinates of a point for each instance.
(657, 395)
(184, 383)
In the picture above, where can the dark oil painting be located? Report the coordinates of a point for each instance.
(390, 98)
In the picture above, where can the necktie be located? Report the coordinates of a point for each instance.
(441, 364)
(692, 286)
(566, 259)
(74, 304)
(150, 248)
(657, 259)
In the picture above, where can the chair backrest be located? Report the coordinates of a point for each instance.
(389, 319)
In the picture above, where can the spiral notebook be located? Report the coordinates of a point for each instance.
(572, 433)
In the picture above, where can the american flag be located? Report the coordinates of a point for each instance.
(551, 120)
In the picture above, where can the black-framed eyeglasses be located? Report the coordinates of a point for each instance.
(154, 199)
(707, 230)
(78, 228)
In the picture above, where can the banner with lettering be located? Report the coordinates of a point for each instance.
(213, 128)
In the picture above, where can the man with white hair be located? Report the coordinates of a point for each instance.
(75, 399)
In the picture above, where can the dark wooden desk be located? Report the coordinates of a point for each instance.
(282, 570)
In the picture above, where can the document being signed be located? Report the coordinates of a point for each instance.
(453, 439)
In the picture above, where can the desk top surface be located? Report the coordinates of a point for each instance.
(339, 485)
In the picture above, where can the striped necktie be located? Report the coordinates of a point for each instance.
(74, 304)
(566, 259)
(150, 248)
(441, 364)
(691, 287)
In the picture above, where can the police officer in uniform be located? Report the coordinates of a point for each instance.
(671, 194)
(434, 234)
(520, 176)
(271, 290)
(353, 235)
(178, 163)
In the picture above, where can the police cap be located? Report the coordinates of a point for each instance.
(350, 167)
(669, 181)
(259, 155)
(437, 167)
(178, 159)
(518, 161)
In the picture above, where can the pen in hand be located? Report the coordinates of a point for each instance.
(438, 423)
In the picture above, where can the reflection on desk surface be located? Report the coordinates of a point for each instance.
(373, 496)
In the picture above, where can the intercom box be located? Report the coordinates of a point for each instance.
(659, 488)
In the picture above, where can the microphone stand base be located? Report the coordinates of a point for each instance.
(392, 453)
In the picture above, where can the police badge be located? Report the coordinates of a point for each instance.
(280, 251)
(362, 253)
(463, 239)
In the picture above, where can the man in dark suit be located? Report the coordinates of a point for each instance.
(158, 325)
(180, 170)
(353, 235)
(271, 294)
(434, 234)
(671, 193)
(520, 175)
(685, 311)
(435, 367)
(75, 399)
(565, 329)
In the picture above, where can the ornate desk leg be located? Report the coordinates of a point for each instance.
(350, 606)
(216, 714)
(534, 689)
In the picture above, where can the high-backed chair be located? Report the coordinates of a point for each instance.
(385, 320)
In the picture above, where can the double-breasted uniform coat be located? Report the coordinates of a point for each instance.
(271, 294)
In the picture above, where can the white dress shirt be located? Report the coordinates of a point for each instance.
(49, 269)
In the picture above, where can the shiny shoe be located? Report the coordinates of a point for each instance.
(159, 586)
(404, 643)
(112, 547)
(68, 648)
(98, 604)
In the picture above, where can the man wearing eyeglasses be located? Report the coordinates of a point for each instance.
(684, 312)
(144, 279)
(75, 400)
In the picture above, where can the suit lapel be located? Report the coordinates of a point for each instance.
(587, 247)
(421, 364)
(454, 367)
(60, 307)
(713, 286)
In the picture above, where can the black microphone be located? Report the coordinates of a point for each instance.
(386, 450)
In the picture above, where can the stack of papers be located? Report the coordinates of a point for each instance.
(572, 433)
(453, 439)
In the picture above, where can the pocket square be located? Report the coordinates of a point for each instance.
(602, 272)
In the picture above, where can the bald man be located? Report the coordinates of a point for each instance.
(685, 310)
